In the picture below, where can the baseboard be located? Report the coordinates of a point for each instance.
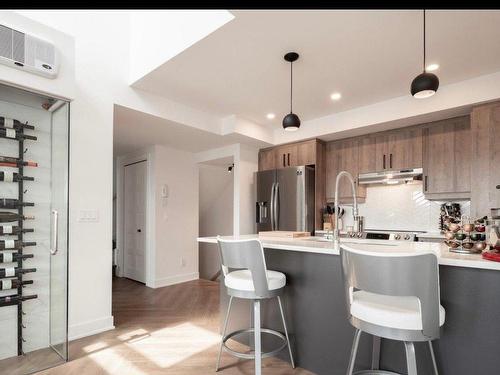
(89, 328)
(166, 281)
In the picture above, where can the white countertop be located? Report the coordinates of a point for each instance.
(319, 246)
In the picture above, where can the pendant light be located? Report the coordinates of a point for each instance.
(425, 84)
(291, 122)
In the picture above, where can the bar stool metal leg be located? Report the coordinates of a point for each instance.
(376, 353)
(258, 349)
(410, 358)
(226, 319)
(433, 358)
(286, 333)
(354, 351)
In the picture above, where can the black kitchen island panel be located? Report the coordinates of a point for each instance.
(322, 336)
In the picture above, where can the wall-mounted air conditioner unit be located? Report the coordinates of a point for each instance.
(26, 52)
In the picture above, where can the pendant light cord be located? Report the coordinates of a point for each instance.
(291, 86)
(424, 40)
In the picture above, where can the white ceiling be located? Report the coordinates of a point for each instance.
(368, 56)
(134, 130)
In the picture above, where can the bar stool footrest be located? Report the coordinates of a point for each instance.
(376, 372)
(249, 355)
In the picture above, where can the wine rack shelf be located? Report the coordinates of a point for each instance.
(11, 278)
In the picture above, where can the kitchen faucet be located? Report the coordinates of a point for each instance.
(356, 217)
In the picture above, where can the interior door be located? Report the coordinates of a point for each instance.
(134, 263)
(58, 332)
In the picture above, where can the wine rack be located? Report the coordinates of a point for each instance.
(12, 277)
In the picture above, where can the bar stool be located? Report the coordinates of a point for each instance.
(246, 276)
(394, 296)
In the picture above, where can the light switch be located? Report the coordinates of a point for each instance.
(164, 191)
(88, 216)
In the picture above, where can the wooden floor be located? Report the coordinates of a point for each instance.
(171, 330)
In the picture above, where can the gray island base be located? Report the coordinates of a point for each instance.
(322, 336)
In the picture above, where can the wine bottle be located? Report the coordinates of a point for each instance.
(7, 161)
(7, 217)
(14, 271)
(6, 230)
(13, 123)
(14, 244)
(14, 203)
(13, 257)
(14, 134)
(15, 299)
(6, 284)
(14, 177)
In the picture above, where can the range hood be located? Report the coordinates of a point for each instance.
(391, 177)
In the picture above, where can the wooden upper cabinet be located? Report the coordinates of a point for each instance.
(343, 156)
(286, 156)
(307, 153)
(485, 171)
(392, 150)
(267, 159)
(405, 148)
(366, 154)
(447, 159)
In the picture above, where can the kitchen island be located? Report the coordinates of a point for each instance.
(317, 318)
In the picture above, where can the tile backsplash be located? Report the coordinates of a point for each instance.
(399, 207)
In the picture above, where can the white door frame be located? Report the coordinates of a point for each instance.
(149, 255)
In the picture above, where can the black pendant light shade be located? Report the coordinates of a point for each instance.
(291, 122)
(425, 84)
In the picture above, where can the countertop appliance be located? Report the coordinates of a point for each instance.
(285, 199)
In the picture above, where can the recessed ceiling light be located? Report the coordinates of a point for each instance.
(336, 96)
(270, 116)
(432, 67)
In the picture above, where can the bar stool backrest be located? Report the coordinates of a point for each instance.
(399, 274)
(246, 255)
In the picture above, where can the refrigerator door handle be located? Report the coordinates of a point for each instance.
(272, 206)
(276, 206)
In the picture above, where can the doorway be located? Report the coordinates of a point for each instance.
(216, 202)
(134, 208)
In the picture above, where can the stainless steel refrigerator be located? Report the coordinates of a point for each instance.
(285, 199)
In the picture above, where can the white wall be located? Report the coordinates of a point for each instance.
(216, 213)
(176, 216)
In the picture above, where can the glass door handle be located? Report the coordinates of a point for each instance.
(54, 247)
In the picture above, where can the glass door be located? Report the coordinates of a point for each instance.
(34, 172)
(59, 230)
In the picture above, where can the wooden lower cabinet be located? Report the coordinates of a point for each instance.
(485, 172)
(447, 159)
(343, 156)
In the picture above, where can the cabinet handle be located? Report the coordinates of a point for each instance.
(425, 183)
(384, 163)
(284, 165)
(390, 161)
(288, 156)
